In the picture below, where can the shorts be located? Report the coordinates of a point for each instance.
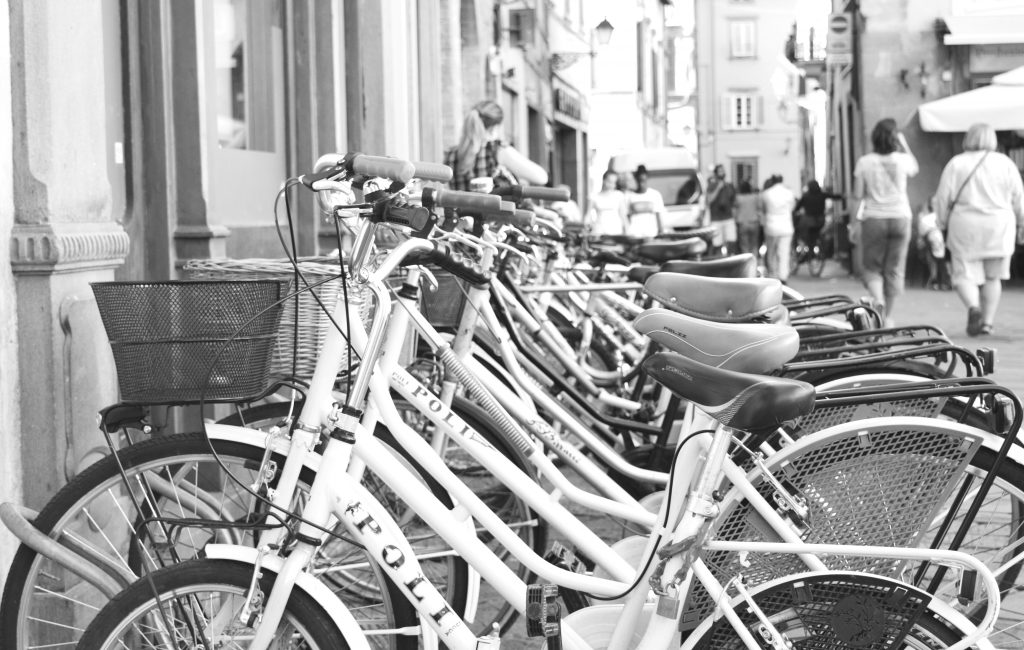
(727, 228)
(979, 271)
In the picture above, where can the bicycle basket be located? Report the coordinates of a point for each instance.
(177, 342)
(443, 307)
(304, 323)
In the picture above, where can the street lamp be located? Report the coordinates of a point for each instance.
(562, 60)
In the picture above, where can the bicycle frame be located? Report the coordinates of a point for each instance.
(340, 495)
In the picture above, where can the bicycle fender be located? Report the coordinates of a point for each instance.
(314, 588)
(256, 438)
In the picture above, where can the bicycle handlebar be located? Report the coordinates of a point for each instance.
(333, 164)
(443, 257)
(432, 171)
(520, 192)
(475, 201)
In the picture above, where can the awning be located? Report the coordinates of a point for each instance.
(984, 30)
(1000, 104)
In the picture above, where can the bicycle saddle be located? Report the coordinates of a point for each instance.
(663, 251)
(749, 347)
(725, 300)
(735, 266)
(641, 273)
(753, 403)
(601, 258)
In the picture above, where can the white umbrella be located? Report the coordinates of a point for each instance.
(1000, 105)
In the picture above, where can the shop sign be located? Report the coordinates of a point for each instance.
(568, 104)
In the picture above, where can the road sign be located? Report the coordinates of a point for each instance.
(840, 35)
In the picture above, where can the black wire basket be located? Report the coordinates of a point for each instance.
(443, 306)
(180, 342)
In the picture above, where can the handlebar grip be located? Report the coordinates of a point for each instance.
(522, 219)
(444, 260)
(395, 169)
(441, 257)
(520, 192)
(460, 200)
(432, 171)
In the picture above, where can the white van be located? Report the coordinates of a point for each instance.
(674, 172)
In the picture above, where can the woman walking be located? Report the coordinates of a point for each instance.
(607, 212)
(980, 203)
(481, 153)
(880, 184)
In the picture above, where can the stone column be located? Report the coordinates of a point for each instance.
(64, 234)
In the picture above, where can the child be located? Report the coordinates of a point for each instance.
(932, 245)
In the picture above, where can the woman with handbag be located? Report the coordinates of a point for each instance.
(880, 184)
(980, 205)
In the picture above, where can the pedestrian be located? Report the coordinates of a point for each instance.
(607, 213)
(722, 207)
(980, 205)
(482, 154)
(748, 224)
(646, 207)
(777, 202)
(880, 185)
(931, 247)
(809, 213)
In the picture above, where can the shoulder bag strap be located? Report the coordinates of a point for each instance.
(964, 184)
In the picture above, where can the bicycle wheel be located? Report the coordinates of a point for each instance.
(816, 261)
(198, 602)
(173, 476)
(996, 536)
(838, 611)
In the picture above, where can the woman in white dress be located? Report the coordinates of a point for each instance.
(606, 214)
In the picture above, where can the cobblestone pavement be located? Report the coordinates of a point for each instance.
(918, 306)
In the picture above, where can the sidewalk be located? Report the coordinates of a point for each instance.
(942, 309)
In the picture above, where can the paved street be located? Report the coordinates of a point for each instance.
(943, 309)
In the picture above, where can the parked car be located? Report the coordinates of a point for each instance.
(674, 172)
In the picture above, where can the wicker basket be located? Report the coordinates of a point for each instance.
(303, 322)
(182, 342)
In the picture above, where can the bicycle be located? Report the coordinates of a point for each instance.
(370, 524)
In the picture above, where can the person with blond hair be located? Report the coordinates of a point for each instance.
(980, 205)
(880, 184)
(482, 154)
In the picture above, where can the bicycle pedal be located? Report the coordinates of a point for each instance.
(560, 555)
(543, 614)
(563, 558)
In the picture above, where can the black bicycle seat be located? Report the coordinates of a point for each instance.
(735, 266)
(663, 251)
(754, 403)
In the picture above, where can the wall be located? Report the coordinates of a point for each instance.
(776, 139)
(897, 37)
(10, 441)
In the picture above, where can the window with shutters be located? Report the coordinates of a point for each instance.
(742, 39)
(740, 111)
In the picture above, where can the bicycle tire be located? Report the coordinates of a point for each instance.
(834, 612)
(174, 593)
(37, 589)
(816, 262)
(988, 537)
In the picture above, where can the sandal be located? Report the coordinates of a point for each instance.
(974, 323)
(985, 330)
